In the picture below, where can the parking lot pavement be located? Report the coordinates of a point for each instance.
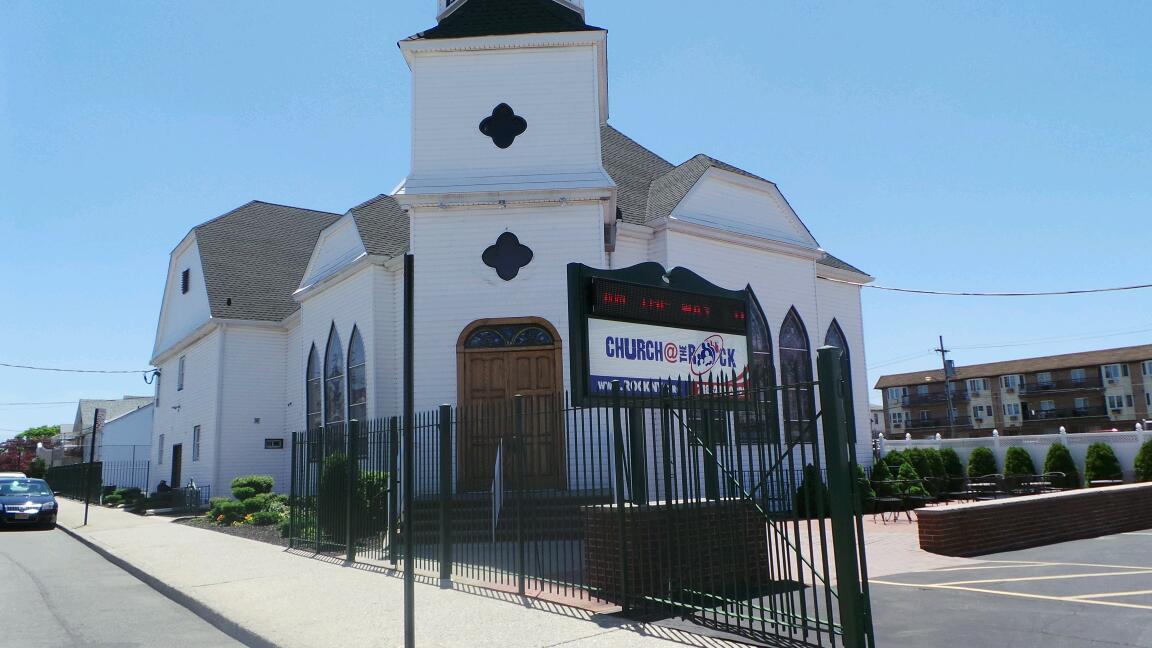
(1078, 594)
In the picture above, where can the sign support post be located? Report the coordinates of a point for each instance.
(97, 423)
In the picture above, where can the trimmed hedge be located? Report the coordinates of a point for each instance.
(226, 512)
(1017, 461)
(265, 518)
(880, 474)
(981, 462)
(909, 475)
(1101, 463)
(1059, 460)
(812, 498)
(1144, 462)
(243, 492)
(258, 503)
(258, 483)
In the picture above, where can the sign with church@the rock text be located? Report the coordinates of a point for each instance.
(646, 358)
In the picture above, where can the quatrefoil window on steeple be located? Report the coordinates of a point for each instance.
(507, 256)
(503, 126)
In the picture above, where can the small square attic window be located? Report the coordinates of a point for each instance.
(184, 282)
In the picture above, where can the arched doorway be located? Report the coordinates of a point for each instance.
(496, 360)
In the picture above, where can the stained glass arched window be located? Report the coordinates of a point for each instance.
(509, 335)
(334, 379)
(836, 338)
(759, 423)
(357, 378)
(313, 400)
(796, 380)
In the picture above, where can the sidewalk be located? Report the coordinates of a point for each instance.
(263, 595)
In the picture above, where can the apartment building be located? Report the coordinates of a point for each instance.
(1081, 392)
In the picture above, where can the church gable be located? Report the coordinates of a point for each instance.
(337, 247)
(711, 193)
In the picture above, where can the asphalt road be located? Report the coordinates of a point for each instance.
(57, 593)
(1085, 594)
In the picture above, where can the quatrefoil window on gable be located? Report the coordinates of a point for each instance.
(507, 256)
(504, 126)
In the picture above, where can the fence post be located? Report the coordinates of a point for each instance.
(842, 483)
(618, 438)
(638, 454)
(517, 455)
(293, 500)
(393, 488)
(352, 430)
(445, 495)
(711, 461)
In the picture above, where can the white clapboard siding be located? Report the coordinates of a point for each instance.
(179, 410)
(182, 313)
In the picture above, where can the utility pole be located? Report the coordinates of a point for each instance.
(949, 373)
(97, 423)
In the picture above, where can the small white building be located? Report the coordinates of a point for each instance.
(123, 446)
(279, 318)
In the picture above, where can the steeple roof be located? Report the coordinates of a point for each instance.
(503, 17)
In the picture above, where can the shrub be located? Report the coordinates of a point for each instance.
(935, 474)
(265, 518)
(981, 462)
(910, 478)
(113, 500)
(258, 483)
(866, 495)
(243, 492)
(129, 494)
(332, 512)
(372, 489)
(1144, 462)
(952, 466)
(881, 474)
(812, 499)
(895, 459)
(1101, 463)
(227, 512)
(257, 503)
(1017, 461)
(1059, 460)
(37, 469)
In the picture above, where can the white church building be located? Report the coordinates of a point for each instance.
(276, 319)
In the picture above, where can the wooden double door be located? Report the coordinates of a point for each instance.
(496, 361)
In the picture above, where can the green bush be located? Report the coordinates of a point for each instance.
(952, 466)
(258, 483)
(881, 474)
(1059, 460)
(257, 503)
(129, 494)
(265, 518)
(812, 499)
(937, 476)
(38, 469)
(866, 495)
(243, 492)
(1144, 462)
(895, 459)
(113, 500)
(1017, 461)
(372, 491)
(227, 512)
(332, 501)
(1101, 463)
(910, 485)
(981, 462)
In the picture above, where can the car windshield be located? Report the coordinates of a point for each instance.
(19, 488)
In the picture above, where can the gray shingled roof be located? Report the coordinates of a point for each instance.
(502, 17)
(633, 168)
(113, 408)
(256, 256)
(383, 226)
(841, 264)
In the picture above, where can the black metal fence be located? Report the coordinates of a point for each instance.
(76, 479)
(124, 474)
(696, 506)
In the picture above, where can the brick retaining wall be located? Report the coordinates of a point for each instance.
(1022, 522)
(701, 546)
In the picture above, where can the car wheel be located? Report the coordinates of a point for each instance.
(51, 526)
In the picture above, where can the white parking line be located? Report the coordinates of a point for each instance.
(1038, 597)
(1044, 578)
(1112, 594)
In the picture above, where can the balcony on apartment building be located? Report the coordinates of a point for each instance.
(921, 424)
(936, 398)
(1066, 413)
(1070, 384)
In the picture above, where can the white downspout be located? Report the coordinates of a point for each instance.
(217, 454)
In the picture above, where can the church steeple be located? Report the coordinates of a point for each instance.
(444, 7)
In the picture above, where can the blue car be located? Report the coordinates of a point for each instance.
(27, 502)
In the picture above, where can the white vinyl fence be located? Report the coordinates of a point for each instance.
(1125, 444)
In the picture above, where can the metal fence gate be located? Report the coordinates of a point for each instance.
(702, 508)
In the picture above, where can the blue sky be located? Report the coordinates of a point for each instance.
(956, 146)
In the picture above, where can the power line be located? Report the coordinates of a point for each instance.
(1068, 338)
(38, 403)
(949, 293)
(908, 358)
(84, 371)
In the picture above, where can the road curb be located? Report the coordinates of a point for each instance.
(214, 618)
